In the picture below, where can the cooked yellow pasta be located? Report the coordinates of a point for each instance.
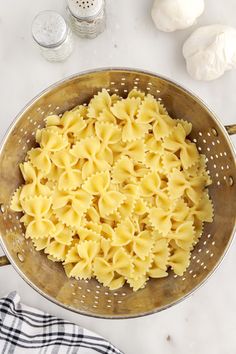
(115, 190)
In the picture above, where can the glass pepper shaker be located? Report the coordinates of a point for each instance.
(53, 36)
(87, 17)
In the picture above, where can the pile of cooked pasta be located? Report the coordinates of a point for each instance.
(115, 190)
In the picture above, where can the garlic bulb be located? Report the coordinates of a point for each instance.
(172, 15)
(210, 51)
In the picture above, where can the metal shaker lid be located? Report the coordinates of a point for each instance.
(49, 29)
(85, 8)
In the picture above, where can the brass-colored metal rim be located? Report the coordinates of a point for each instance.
(203, 105)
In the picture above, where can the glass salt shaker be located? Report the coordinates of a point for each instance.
(53, 36)
(87, 17)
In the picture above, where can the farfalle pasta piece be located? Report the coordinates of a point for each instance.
(54, 173)
(57, 250)
(179, 184)
(63, 234)
(89, 149)
(119, 266)
(126, 110)
(161, 220)
(105, 274)
(40, 158)
(86, 251)
(69, 206)
(72, 122)
(161, 255)
(150, 184)
(136, 94)
(153, 145)
(41, 243)
(90, 225)
(179, 261)
(38, 207)
(123, 170)
(140, 244)
(140, 207)
(138, 283)
(109, 200)
(141, 266)
(127, 207)
(92, 214)
(133, 149)
(153, 161)
(88, 131)
(86, 234)
(170, 162)
(70, 178)
(186, 125)
(100, 102)
(51, 140)
(33, 179)
(151, 111)
(108, 134)
(176, 141)
(184, 235)
(163, 126)
(203, 209)
(199, 169)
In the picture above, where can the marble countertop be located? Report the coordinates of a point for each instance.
(204, 323)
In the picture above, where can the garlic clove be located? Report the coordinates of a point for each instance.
(210, 51)
(172, 15)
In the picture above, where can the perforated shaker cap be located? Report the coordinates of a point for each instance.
(85, 8)
(49, 29)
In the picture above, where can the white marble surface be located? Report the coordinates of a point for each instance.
(206, 322)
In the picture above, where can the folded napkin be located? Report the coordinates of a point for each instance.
(24, 329)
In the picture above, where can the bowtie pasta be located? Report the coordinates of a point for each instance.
(115, 190)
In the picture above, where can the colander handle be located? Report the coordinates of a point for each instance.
(231, 129)
(4, 261)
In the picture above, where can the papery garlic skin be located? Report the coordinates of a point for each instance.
(172, 15)
(210, 51)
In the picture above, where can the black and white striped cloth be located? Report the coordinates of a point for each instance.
(27, 330)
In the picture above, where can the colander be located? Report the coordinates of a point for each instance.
(90, 297)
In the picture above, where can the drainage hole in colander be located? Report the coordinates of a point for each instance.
(214, 131)
(230, 181)
(20, 257)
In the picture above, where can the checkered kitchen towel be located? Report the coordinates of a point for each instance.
(24, 329)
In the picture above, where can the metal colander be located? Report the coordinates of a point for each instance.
(90, 297)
